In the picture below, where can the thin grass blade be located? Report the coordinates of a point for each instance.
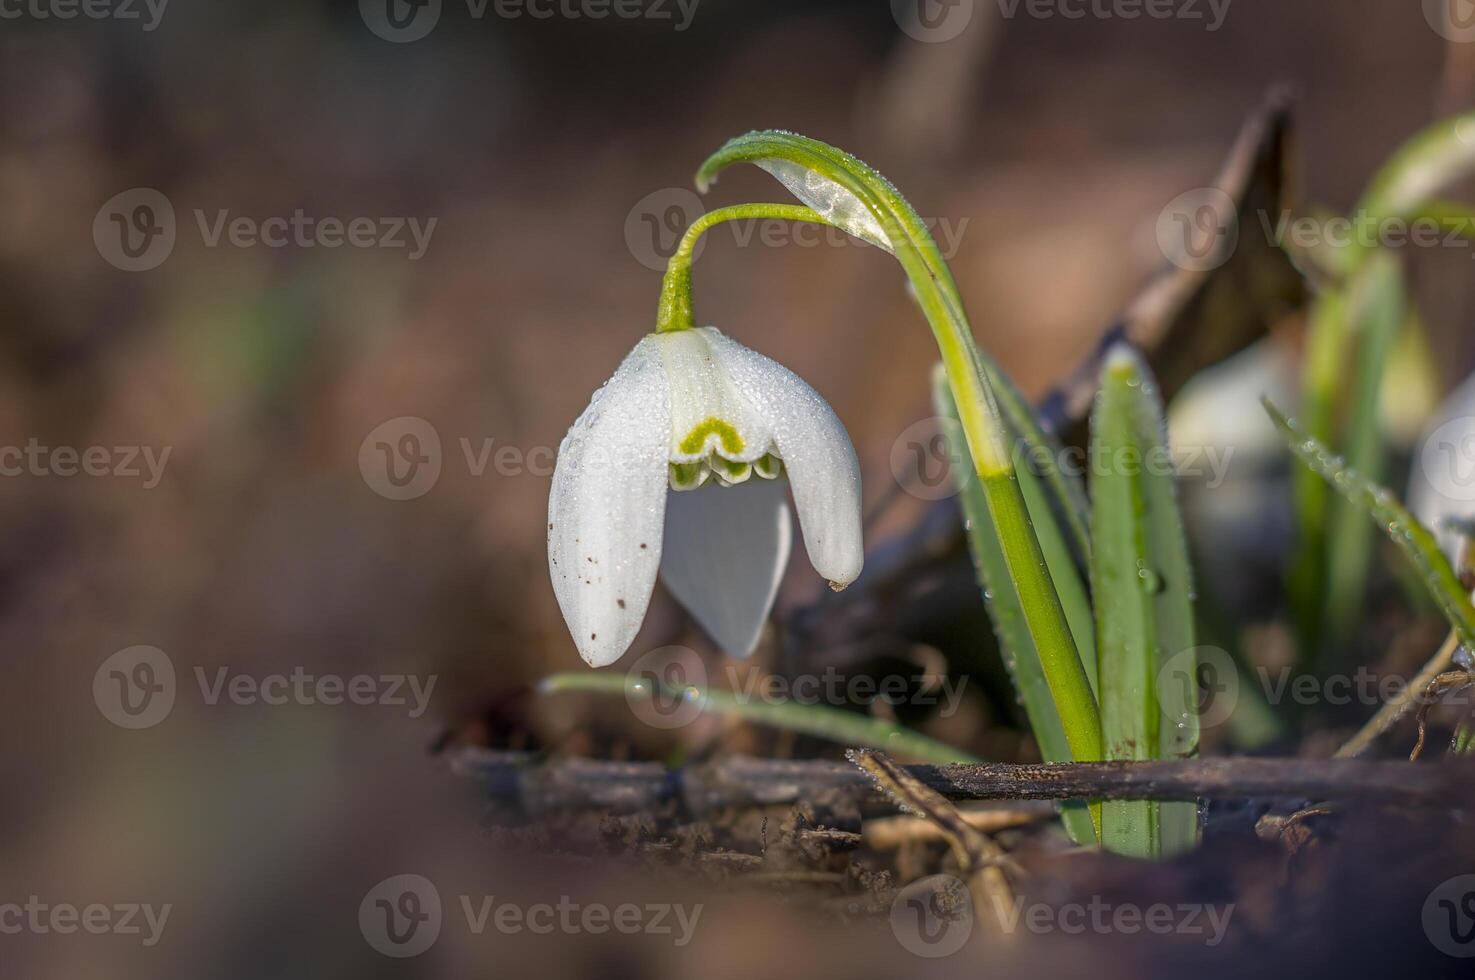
(1378, 503)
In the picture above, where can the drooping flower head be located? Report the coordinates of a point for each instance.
(678, 465)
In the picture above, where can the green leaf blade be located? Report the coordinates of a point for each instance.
(1378, 503)
(1143, 589)
(1006, 610)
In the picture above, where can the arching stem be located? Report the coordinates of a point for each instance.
(854, 197)
(674, 312)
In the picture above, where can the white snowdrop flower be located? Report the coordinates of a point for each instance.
(1441, 486)
(677, 465)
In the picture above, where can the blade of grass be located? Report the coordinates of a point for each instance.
(821, 721)
(1376, 307)
(1379, 504)
(1323, 371)
(1007, 612)
(1408, 184)
(1144, 601)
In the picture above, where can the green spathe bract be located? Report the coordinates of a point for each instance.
(853, 196)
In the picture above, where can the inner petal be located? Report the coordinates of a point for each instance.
(723, 555)
(710, 417)
(713, 435)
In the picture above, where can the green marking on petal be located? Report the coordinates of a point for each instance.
(729, 472)
(769, 466)
(728, 439)
(688, 476)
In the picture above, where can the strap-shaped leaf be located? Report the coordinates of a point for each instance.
(1144, 602)
(1006, 609)
(1378, 503)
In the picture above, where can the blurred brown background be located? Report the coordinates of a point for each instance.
(548, 152)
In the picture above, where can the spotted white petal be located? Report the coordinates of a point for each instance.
(816, 452)
(607, 507)
(725, 552)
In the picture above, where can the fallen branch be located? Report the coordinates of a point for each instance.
(532, 785)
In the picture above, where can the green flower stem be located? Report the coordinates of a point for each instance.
(674, 312)
(821, 721)
(983, 426)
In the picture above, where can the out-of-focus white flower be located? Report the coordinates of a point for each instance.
(676, 466)
(1441, 486)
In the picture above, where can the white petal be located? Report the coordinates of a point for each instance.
(839, 206)
(726, 550)
(816, 452)
(708, 414)
(607, 506)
